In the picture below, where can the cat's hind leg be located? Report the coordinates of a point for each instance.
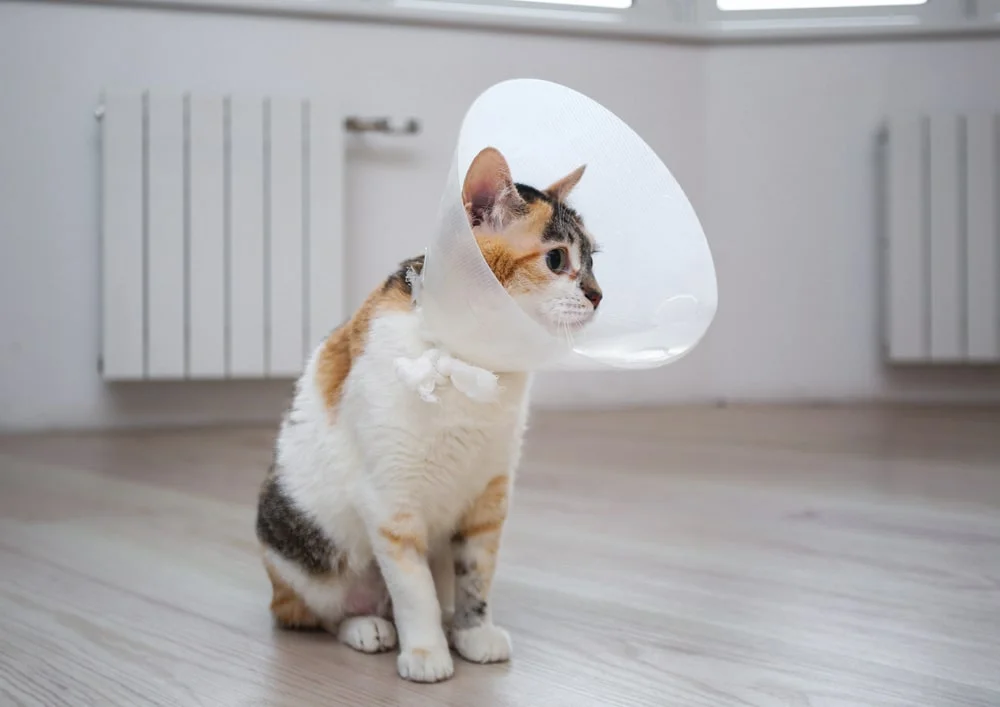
(287, 607)
(353, 607)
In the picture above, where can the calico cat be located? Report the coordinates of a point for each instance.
(381, 515)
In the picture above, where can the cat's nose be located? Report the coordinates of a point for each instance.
(593, 295)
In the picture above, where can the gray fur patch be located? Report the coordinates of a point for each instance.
(463, 568)
(470, 612)
(470, 599)
(289, 531)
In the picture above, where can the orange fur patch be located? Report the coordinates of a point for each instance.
(471, 530)
(348, 341)
(333, 365)
(516, 257)
(500, 256)
(287, 607)
(479, 531)
(530, 273)
(489, 511)
(518, 271)
(539, 215)
(405, 532)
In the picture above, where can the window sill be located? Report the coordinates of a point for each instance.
(586, 22)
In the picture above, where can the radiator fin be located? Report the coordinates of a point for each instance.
(942, 255)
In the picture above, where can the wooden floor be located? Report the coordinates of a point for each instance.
(823, 557)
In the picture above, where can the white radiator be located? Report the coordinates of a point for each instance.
(222, 236)
(941, 265)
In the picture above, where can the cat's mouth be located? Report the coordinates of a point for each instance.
(561, 318)
(571, 322)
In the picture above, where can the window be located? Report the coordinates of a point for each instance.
(607, 4)
(737, 5)
(763, 17)
(606, 16)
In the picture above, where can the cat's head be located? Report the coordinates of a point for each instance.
(535, 244)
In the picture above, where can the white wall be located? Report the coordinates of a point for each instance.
(772, 144)
(791, 186)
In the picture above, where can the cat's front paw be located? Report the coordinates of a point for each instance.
(482, 644)
(426, 664)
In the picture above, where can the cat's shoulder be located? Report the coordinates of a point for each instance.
(384, 326)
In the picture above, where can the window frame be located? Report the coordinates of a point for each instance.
(643, 17)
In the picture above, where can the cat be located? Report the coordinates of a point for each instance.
(381, 515)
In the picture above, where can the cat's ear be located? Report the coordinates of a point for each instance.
(489, 193)
(560, 190)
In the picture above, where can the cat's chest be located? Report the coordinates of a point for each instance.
(457, 440)
(438, 455)
(452, 432)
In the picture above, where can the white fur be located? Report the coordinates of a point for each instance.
(368, 634)
(482, 644)
(387, 450)
(560, 305)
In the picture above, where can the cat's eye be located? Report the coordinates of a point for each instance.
(557, 259)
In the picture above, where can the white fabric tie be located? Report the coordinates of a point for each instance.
(434, 367)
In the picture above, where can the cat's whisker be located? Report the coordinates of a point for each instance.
(566, 331)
